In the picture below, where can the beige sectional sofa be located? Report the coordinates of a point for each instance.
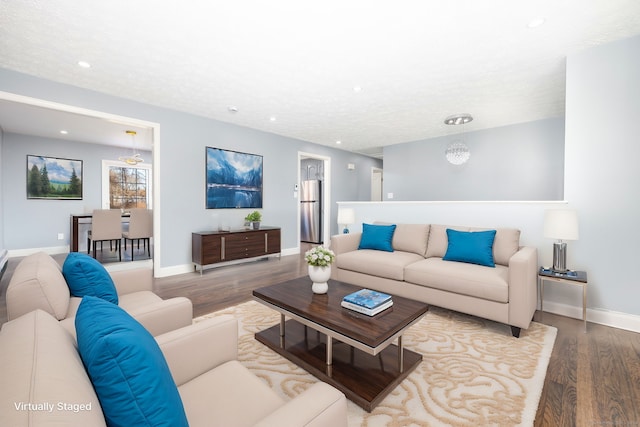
(506, 293)
(45, 382)
(38, 283)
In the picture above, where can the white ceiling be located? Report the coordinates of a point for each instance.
(415, 61)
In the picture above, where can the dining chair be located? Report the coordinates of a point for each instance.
(106, 225)
(140, 228)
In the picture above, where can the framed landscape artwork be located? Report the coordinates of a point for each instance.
(234, 179)
(54, 178)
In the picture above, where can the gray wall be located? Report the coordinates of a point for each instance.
(29, 223)
(602, 173)
(183, 138)
(517, 162)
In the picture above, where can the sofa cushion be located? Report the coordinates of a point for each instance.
(126, 367)
(505, 244)
(461, 278)
(86, 276)
(231, 392)
(438, 241)
(475, 247)
(37, 283)
(377, 237)
(389, 265)
(39, 364)
(411, 238)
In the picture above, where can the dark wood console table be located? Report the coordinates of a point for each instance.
(212, 247)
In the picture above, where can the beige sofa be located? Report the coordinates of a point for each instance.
(45, 382)
(38, 283)
(506, 293)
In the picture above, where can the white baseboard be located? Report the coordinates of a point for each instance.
(189, 268)
(53, 250)
(615, 319)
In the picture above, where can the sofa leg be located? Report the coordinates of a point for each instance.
(515, 331)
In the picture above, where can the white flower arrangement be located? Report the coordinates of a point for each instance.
(319, 256)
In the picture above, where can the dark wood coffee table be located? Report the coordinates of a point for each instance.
(362, 362)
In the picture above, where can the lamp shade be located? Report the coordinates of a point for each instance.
(561, 224)
(346, 216)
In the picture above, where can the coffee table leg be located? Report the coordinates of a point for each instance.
(282, 325)
(329, 350)
(400, 358)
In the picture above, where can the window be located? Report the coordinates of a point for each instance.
(124, 186)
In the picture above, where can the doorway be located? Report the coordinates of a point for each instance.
(93, 119)
(313, 170)
(376, 184)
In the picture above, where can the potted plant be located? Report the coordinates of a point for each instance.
(319, 260)
(254, 219)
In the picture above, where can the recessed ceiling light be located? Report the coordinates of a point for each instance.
(64, 132)
(458, 119)
(272, 118)
(536, 22)
(338, 142)
(357, 88)
(84, 64)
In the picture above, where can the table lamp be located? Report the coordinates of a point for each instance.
(560, 224)
(346, 216)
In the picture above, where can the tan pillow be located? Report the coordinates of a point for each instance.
(409, 237)
(37, 283)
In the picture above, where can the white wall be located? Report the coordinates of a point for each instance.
(523, 161)
(602, 173)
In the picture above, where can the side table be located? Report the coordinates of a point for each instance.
(576, 278)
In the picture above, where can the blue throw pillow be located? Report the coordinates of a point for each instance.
(86, 276)
(475, 247)
(377, 237)
(127, 368)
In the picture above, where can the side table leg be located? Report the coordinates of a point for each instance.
(329, 350)
(584, 307)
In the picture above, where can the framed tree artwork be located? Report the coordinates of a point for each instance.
(54, 178)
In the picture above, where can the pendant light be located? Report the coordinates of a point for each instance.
(135, 158)
(457, 153)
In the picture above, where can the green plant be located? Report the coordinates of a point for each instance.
(319, 256)
(254, 216)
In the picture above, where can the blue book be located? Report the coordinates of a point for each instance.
(367, 298)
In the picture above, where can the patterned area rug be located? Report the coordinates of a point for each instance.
(473, 372)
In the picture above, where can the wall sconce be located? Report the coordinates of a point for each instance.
(346, 216)
(561, 224)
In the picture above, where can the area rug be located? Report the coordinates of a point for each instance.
(473, 372)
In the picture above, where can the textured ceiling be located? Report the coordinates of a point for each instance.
(416, 62)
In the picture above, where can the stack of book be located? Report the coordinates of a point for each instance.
(367, 302)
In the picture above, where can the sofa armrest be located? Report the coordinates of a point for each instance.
(319, 405)
(523, 289)
(134, 280)
(341, 243)
(164, 316)
(195, 349)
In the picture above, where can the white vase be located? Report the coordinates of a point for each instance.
(319, 276)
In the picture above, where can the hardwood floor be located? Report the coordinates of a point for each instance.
(593, 378)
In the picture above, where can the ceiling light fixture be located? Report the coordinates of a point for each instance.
(64, 132)
(233, 109)
(458, 119)
(135, 158)
(84, 64)
(338, 142)
(457, 153)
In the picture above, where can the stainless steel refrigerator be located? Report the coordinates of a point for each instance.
(311, 211)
